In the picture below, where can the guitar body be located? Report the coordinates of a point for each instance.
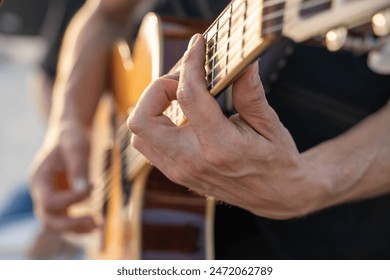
(145, 216)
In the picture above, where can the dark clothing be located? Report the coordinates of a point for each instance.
(318, 96)
(61, 12)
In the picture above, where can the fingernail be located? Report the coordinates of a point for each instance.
(192, 41)
(80, 184)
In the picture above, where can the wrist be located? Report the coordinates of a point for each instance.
(66, 112)
(319, 179)
(65, 132)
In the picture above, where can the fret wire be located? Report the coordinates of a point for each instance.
(215, 47)
(208, 31)
(229, 34)
(249, 32)
(235, 52)
(244, 29)
(239, 27)
(238, 18)
(235, 56)
(265, 5)
(234, 59)
(252, 16)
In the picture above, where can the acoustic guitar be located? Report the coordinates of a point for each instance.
(144, 215)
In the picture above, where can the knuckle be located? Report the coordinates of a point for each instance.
(136, 142)
(178, 177)
(195, 168)
(46, 204)
(135, 123)
(188, 57)
(217, 158)
(184, 97)
(187, 172)
(271, 126)
(268, 154)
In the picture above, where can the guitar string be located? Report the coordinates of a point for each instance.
(231, 56)
(103, 194)
(306, 5)
(234, 59)
(224, 25)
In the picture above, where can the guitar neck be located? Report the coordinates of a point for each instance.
(236, 38)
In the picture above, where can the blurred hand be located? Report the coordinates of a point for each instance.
(249, 160)
(59, 178)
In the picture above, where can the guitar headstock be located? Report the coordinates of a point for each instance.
(334, 22)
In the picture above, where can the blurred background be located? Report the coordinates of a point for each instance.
(25, 30)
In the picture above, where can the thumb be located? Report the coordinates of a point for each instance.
(251, 104)
(76, 160)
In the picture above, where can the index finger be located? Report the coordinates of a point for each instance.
(200, 107)
(151, 105)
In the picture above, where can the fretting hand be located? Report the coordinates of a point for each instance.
(249, 160)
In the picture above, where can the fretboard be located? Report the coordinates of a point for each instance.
(237, 37)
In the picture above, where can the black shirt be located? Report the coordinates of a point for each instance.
(318, 96)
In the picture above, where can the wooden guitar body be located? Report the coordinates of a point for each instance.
(145, 216)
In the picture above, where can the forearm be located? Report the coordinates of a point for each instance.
(83, 61)
(355, 165)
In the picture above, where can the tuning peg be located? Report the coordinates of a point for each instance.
(336, 38)
(379, 60)
(381, 23)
